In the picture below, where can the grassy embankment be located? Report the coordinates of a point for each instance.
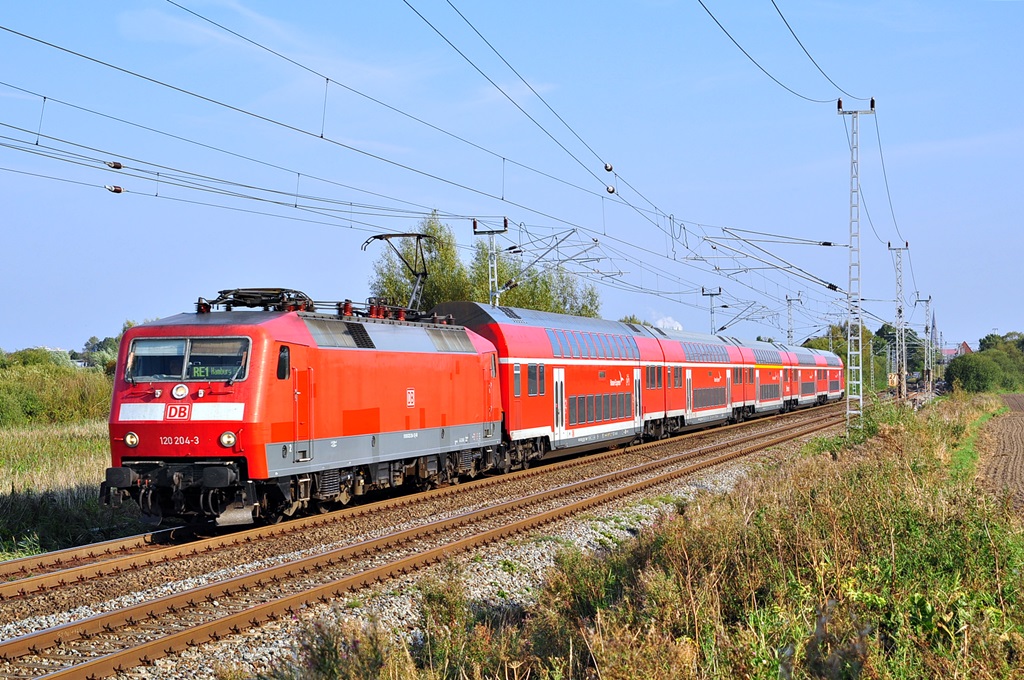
(881, 560)
(53, 453)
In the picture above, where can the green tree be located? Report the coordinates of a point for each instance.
(635, 320)
(103, 353)
(974, 372)
(551, 290)
(990, 341)
(546, 290)
(447, 278)
(37, 356)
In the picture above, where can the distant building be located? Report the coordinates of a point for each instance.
(950, 353)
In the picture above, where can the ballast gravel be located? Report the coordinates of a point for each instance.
(508, 574)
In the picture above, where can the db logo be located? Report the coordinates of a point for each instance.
(178, 411)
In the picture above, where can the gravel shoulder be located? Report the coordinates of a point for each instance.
(508, 574)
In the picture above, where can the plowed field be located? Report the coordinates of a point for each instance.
(1002, 459)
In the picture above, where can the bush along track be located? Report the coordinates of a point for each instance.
(869, 560)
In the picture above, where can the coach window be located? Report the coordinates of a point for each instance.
(531, 379)
(581, 409)
(590, 408)
(563, 343)
(540, 375)
(591, 351)
(556, 350)
(573, 343)
(517, 380)
(572, 410)
(284, 363)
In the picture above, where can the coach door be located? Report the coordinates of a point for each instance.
(689, 391)
(638, 404)
(559, 406)
(302, 414)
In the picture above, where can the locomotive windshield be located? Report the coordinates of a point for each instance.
(208, 359)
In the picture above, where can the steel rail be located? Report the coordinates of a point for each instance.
(114, 557)
(33, 643)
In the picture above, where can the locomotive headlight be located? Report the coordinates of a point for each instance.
(131, 440)
(179, 391)
(228, 439)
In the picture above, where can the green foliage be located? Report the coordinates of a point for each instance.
(103, 353)
(546, 290)
(554, 290)
(447, 279)
(872, 562)
(998, 365)
(973, 372)
(458, 639)
(915, 345)
(36, 356)
(340, 649)
(635, 320)
(33, 391)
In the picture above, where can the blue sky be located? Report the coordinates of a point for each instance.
(266, 150)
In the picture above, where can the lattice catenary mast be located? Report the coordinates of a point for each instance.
(901, 326)
(854, 358)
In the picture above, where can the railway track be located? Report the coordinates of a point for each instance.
(25, 577)
(128, 636)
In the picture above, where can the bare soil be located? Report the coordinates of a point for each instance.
(1001, 467)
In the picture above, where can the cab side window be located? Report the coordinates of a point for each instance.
(284, 364)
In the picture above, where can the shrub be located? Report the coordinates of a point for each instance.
(974, 372)
(45, 392)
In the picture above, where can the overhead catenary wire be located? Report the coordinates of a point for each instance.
(394, 109)
(755, 62)
(513, 203)
(542, 214)
(800, 43)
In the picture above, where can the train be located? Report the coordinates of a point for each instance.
(258, 405)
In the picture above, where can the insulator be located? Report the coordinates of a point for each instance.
(114, 189)
(116, 165)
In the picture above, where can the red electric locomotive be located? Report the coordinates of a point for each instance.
(238, 414)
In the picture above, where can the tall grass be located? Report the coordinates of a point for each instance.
(50, 495)
(879, 563)
(877, 559)
(49, 393)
